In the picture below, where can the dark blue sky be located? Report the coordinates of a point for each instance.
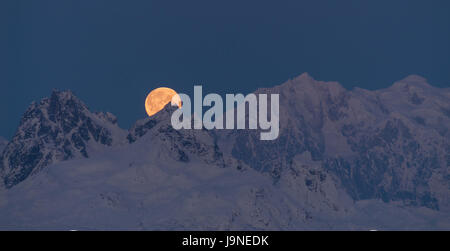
(112, 53)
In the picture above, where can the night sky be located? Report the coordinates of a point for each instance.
(112, 53)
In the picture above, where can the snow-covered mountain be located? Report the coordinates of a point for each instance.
(345, 159)
(390, 144)
(56, 129)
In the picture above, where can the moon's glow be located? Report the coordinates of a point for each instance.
(159, 98)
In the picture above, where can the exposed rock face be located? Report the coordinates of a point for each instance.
(57, 128)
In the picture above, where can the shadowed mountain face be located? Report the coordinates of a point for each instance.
(390, 145)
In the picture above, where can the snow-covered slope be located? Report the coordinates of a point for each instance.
(133, 189)
(55, 129)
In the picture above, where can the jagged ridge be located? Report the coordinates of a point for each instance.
(55, 129)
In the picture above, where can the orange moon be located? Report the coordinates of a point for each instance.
(159, 98)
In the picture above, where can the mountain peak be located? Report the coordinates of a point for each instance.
(307, 84)
(57, 128)
(62, 93)
(412, 80)
(141, 127)
(64, 97)
(107, 117)
(304, 77)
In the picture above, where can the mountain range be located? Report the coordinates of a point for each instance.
(345, 159)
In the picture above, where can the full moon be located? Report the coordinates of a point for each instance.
(159, 98)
